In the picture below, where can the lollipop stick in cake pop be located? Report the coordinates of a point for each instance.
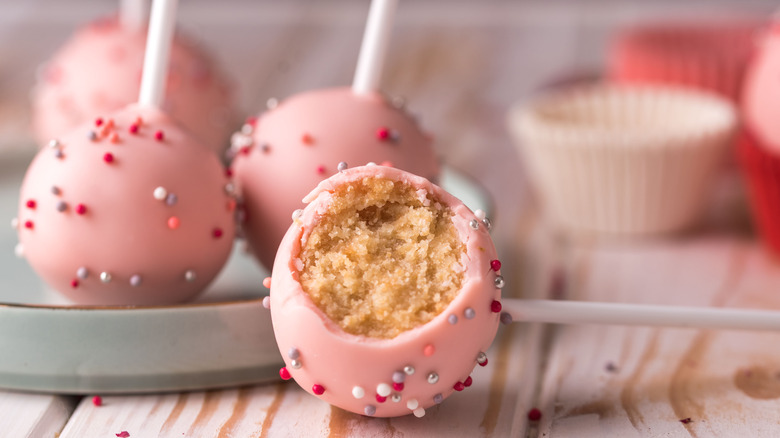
(133, 13)
(158, 48)
(374, 47)
(579, 312)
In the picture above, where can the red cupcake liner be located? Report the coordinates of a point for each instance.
(711, 57)
(761, 169)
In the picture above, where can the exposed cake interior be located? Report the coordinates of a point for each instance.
(386, 258)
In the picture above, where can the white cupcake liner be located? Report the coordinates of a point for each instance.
(623, 159)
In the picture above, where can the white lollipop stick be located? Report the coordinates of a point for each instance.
(158, 49)
(579, 312)
(133, 13)
(374, 47)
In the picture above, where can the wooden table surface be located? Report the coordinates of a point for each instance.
(461, 65)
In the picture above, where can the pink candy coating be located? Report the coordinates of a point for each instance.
(347, 364)
(92, 218)
(301, 141)
(98, 71)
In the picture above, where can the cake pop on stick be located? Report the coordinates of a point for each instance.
(128, 208)
(386, 293)
(283, 153)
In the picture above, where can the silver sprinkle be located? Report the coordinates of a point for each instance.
(481, 357)
(190, 275)
(82, 273)
(487, 223)
(171, 199)
(399, 377)
(342, 166)
(293, 353)
(499, 281)
(469, 313)
(58, 153)
(247, 129)
(105, 277)
(92, 135)
(452, 319)
(271, 103)
(396, 397)
(395, 136)
(62, 206)
(398, 102)
(54, 143)
(369, 410)
(474, 224)
(265, 147)
(438, 398)
(55, 190)
(433, 378)
(505, 318)
(135, 280)
(229, 188)
(409, 370)
(295, 363)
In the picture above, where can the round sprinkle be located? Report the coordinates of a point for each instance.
(265, 147)
(499, 281)
(438, 398)
(114, 137)
(98, 121)
(369, 410)
(412, 404)
(190, 275)
(59, 154)
(30, 204)
(81, 209)
(318, 389)
(19, 250)
(399, 377)
(409, 370)
(495, 306)
(458, 386)
(62, 206)
(505, 318)
(284, 373)
(97, 400)
(296, 364)
(467, 382)
(55, 190)
(105, 277)
(358, 392)
(54, 143)
(474, 224)
(386, 163)
(293, 353)
(320, 169)
(395, 136)
(482, 359)
(173, 222)
(534, 414)
(398, 386)
(370, 163)
(136, 280)
(480, 214)
(267, 282)
(160, 193)
(297, 214)
(380, 399)
(92, 135)
(495, 265)
(247, 129)
(74, 283)
(452, 319)
(217, 233)
(267, 302)
(469, 313)
(171, 199)
(271, 103)
(230, 188)
(133, 128)
(82, 273)
(383, 133)
(433, 378)
(159, 136)
(419, 412)
(15, 223)
(395, 397)
(486, 222)
(383, 389)
(429, 350)
(342, 166)
(29, 225)
(306, 138)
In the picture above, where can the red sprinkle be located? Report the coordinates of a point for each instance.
(31, 204)
(398, 386)
(686, 420)
(284, 373)
(217, 233)
(429, 350)
(97, 400)
(380, 399)
(459, 386)
(231, 204)
(383, 133)
(251, 121)
(245, 150)
(159, 136)
(133, 128)
(108, 157)
(123, 434)
(495, 306)
(29, 224)
(467, 382)
(173, 222)
(482, 364)
(74, 283)
(228, 172)
(318, 389)
(81, 209)
(98, 121)
(534, 414)
(495, 265)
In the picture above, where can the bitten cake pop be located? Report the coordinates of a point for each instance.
(385, 293)
(128, 208)
(98, 71)
(286, 151)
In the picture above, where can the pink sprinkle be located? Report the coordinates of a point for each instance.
(74, 283)
(320, 169)
(81, 209)
(495, 306)
(30, 204)
(380, 399)
(318, 389)
(251, 121)
(467, 382)
(459, 386)
(108, 157)
(495, 265)
(133, 128)
(429, 350)
(29, 224)
(98, 121)
(97, 400)
(386, 163)
(398, 386)
(267, 282)
(110, 123)
(123, 434)
(284, 373)
(231, 205)
(382, 133)
(159, 136)
(306, 138)
(173, 222)
(139, 121)
(114, 137)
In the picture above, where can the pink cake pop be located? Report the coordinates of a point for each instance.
(283, 153)
(412, 368)
(128, 209)
(98, 71)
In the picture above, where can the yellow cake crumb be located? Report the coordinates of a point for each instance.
(384, 260)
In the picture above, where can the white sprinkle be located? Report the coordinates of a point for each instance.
(105, 277)
(297, 214)
(383, 389)
(19, 250)
(419, 412)
(480, 214)
(267, 302)
(342, 166)
(358, 392)
(135, 280)
(370, 163)
(271, 103)
(54, 143)
(15, 223)
(82, 273)
(247, 129)
(190, 275)
(160, 193)
(412, 404)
